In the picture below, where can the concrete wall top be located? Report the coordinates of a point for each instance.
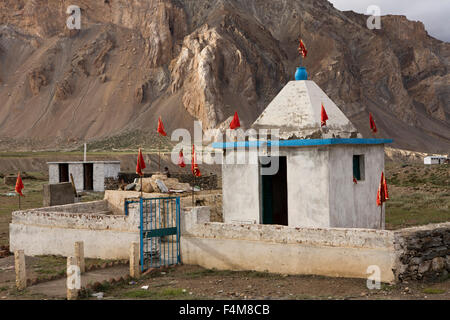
(81, 162)
(333, 237)
(77, 218)
(425, 229)
(85, 207)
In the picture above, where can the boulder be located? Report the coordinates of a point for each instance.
(424, 266)
(130, 187)
(162, 177)
(147, 186)
(438, 263)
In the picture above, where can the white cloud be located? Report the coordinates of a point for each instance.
(433, 13)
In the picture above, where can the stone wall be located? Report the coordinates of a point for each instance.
(206, 182)
(423, 252)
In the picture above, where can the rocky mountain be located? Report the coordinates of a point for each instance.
(134, 60)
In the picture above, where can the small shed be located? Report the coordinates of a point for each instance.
(324, 177)
(87, 175)
(435, 160)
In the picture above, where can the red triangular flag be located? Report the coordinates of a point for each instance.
(140, 164)
(181, 159)
(382, 193)
(373, 127)
(19, 185)
(235, 123)
(194, 165)
(302, 49)
(161, 127)
(355, 181)
(323, 117)
(386, 193)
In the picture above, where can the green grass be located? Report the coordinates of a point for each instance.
(433, 291)
(225, 273)
(422, 195)
(405, 210)
(32, 199)
(167, 293)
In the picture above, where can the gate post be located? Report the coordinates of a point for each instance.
(134, 260)
(178, 221)
(21, 272)
(79, 255)
(73, 284)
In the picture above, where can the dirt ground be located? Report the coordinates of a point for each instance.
(195, 283)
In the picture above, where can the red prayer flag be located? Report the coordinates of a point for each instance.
(235, 123)
(382, 194)
(194, 165)
(19, 185)
(302, 49)
(181, 160)
(323, 117)
(140, 164)
(161, 127)
(373, 127)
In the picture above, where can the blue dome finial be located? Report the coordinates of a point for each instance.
(301, 74)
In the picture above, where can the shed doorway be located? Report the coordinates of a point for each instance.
(63, 172)
(274, 199)
(88, 169)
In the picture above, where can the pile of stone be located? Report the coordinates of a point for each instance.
(158, 183)
(424, 252)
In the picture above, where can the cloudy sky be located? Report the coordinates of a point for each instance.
(433, 13)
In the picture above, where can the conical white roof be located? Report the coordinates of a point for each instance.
(296, 110)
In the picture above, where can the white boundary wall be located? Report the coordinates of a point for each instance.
(54, 230)
(333, 252)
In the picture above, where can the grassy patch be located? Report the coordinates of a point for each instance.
(8, 204)
(167, 293)
(433, 291)
(209, 272)
(225, 273)
(404, 210)
(50, 265)
(387, 287)
(419, 195)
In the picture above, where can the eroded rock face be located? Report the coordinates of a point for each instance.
(135, 60)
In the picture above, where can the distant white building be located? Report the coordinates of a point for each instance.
(435, 160)
(87, 175)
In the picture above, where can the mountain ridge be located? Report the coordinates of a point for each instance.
(133, 61)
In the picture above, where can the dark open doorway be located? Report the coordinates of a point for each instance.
(63, 172)
(274, 199)
(88, 176)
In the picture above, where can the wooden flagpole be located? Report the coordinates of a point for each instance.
(300, 25)
(16, 191)
(381, 216)
(193, 189)
(159, 154)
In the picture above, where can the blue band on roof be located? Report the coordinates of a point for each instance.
(297, 143)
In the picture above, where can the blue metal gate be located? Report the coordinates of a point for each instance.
(159, 232)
